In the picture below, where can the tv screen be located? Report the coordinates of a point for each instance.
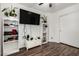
(27, 17)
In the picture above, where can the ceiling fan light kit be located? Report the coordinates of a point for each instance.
(40, 3)
(50, 4)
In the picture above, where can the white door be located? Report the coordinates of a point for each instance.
(69, 26)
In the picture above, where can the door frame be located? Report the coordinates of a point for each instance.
(1, 21)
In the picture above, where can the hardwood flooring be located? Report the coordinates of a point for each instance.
(50, 49)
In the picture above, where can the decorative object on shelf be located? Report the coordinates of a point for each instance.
(46, 26)
(44, 19)
(27, 37)
(31, 38)
(6, 24)
(38, 37)
(24, 37)
(14, 32)
(10, 11)
(8, 33)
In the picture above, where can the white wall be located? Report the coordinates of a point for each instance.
(35, 30)
(54, 20)
(53, 27)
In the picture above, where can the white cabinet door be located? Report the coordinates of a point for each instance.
(69, 25)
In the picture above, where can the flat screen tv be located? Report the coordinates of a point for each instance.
(27, 17)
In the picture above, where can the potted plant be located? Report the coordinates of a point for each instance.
(44, 19)
(10, 12)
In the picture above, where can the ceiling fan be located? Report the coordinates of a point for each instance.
(50, 4)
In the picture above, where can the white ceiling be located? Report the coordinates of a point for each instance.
(45, 7)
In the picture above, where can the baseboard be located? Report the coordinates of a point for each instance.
(54, 41)
(11, 53)
(69, 45)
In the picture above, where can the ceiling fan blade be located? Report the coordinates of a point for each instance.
(40, 3)
(50, 5)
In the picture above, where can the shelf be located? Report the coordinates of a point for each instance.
(11, 26)
(45, 33)
(10, 35)
(11, 19)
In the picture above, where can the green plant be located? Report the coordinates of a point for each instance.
(10, 12)
(44, 18)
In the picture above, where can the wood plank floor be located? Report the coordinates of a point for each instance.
(50, 49)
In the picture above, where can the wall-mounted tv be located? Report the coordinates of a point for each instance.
(27, 17)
